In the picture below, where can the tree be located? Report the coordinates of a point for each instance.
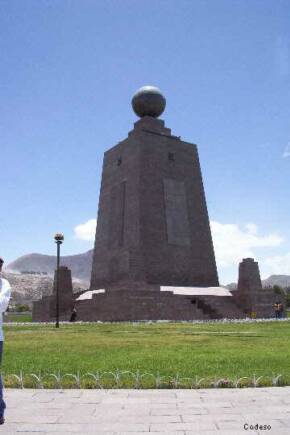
(287, 300)
(279, 290)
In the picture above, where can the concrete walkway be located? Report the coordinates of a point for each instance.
(154, 412)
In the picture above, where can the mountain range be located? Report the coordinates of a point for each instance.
(28, 287)
(31, 276)
(280, 280)
(79, 264)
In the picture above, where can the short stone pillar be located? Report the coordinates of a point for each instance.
(65, 281)
(44, 310)
(249, 275)
(65, 291)
(250, 295)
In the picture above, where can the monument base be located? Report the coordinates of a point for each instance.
(141, 305)
(126, 305)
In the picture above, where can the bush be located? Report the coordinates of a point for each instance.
(279, 290)
(287, 300)
(20, 308)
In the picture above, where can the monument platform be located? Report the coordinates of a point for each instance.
(169, 303)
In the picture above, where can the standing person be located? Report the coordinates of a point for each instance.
(276, 309)
(281, 310)
(73, 315)
(5, 293)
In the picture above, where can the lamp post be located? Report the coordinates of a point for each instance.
(58, 240)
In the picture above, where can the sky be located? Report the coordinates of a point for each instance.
(68, 70)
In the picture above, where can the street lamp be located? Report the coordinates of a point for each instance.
(58, 240)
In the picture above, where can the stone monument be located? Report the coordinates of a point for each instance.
(153, 226)
(153, 255)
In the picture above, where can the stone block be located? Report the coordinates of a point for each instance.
(44, 310)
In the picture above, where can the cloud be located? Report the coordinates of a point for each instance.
(287, 151)
(86, 231)
(277, 265)
(233, 243)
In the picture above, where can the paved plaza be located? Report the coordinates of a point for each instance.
(187, 412)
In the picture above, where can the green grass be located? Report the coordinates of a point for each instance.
(203, 350)
(17, 317)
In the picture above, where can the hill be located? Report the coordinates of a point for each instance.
(280, 280)
(31, 276)
(79, 264)
(29, 287)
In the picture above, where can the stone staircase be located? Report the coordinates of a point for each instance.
(220, 307)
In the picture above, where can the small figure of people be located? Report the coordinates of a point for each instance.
(73, 315)
(278, 308)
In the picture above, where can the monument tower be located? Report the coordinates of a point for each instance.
(153, 226)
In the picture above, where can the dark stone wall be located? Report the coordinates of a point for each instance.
(153, 225)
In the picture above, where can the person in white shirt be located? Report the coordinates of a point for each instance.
(5, 293)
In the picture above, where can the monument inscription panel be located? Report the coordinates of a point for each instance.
(176, 212)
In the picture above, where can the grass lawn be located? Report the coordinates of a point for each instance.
(204, 350)
(17, 317)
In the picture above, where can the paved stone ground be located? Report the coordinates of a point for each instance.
(154, 412)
